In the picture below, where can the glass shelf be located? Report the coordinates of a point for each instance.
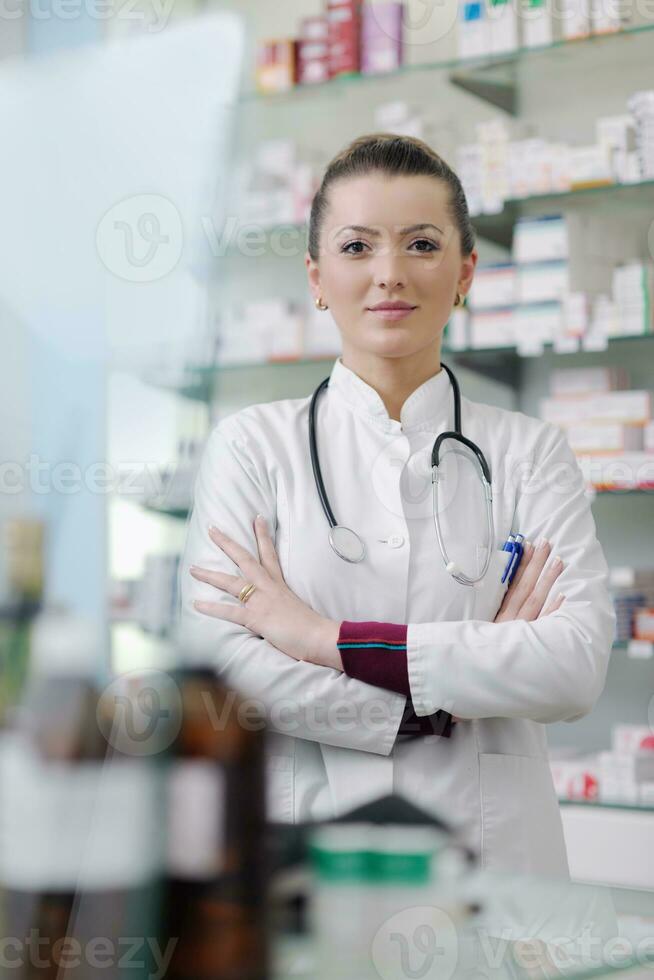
(605, 805)
(176, 513)
(494, 78)
(197, 382)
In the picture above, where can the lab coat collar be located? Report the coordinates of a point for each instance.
(429, 403)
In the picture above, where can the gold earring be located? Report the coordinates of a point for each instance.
(319, 304)
(459, 300)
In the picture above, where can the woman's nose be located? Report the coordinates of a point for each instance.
(388, 274)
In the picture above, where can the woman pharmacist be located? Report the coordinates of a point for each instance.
(300, 576)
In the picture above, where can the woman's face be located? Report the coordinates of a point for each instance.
(359, 269)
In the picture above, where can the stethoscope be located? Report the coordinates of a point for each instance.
(348, 545)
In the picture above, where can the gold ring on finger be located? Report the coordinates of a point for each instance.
(246, 591)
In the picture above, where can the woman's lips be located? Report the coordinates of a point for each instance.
(392, 314)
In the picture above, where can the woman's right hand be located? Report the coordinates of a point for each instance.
(528, 596)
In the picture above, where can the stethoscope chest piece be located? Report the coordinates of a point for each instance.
(346, 543)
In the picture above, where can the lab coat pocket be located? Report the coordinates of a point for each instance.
(521, 826)
(490, 591)
(280, 788)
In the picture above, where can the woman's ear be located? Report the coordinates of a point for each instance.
(313, 274)
(468, 264)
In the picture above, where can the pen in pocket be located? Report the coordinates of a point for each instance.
(514, 546)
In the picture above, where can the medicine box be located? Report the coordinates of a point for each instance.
(313, 51)
(539, 27)
(634, 407)
(503, 26)
(473, 34)
(540, 239)
(644, 629)
(586, 381)
(537, 323)
(493, 286)
(604, 437)
(630, 738)
(344, 20)
(575, 17)
(492, 328)
(276, 65)
(381, 38)
(540, 282)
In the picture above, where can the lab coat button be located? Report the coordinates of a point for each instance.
(396, 541)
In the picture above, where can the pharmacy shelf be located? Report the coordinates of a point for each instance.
(605, 805)
(176, 513)
(182, 514)
(496, 79)
(499, 363)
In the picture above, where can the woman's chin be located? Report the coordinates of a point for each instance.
(395, 341)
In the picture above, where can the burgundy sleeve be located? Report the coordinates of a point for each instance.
(376, 654)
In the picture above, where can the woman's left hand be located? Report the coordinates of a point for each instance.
(273, 611)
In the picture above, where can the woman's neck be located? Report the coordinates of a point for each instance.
(393, 378)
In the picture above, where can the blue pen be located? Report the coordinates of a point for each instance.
(517, 555)
(509, 545)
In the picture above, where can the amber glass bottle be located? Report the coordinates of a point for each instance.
(81, 850)
(216, 891)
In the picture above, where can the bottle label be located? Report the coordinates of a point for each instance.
(94, 825)
(196, 819)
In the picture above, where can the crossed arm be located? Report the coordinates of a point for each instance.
(528, 663)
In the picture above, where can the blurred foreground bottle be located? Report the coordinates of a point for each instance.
(21, 594)
(216, 893)
(81, 846)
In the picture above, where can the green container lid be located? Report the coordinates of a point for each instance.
(379, 854)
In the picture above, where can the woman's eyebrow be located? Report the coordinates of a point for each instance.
(363, 230)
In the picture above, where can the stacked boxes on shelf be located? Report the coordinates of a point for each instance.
(275, 329)
(623, 775)
(496, 167)
(157, 594)
(544, 23)
(313, 51)
(349, 38)
(487, 27)
(277, 185)
(276, 65)
(604, 424)
(641, 105)
(632, 591)
(535, 299)
(344, 21)
(381, 38)
(352, 36)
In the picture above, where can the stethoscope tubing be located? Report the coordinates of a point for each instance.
(455, 434)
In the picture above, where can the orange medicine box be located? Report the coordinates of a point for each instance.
(644, 624)
(276, 63)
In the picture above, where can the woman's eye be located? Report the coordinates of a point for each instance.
(432, 246)
(349, 245)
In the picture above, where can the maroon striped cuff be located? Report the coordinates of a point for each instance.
(375, 653)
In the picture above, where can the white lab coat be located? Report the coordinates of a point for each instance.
(332, 741)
